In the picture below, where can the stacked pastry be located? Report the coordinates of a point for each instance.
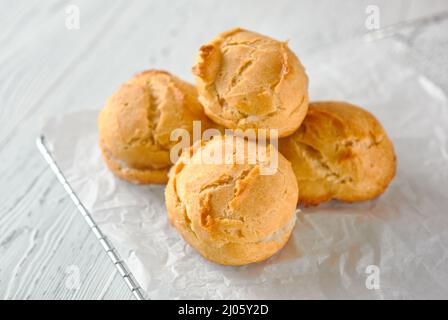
(230, 211)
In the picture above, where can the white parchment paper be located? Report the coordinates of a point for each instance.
(404, 232)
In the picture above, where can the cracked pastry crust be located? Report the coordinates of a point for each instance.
(136, 123)
(247, 80)
(340, 152)
(229, 212)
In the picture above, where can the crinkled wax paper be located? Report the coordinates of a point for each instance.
(404, 232)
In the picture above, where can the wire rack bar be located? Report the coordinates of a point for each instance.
(123, 270)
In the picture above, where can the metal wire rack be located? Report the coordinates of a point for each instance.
(123, 270)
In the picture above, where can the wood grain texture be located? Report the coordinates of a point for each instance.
(46, 69)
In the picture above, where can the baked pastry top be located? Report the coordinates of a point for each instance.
(247, 80)
(230, 212)
(136, 123)
(340, 152)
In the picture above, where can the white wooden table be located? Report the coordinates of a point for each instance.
(47, 68)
